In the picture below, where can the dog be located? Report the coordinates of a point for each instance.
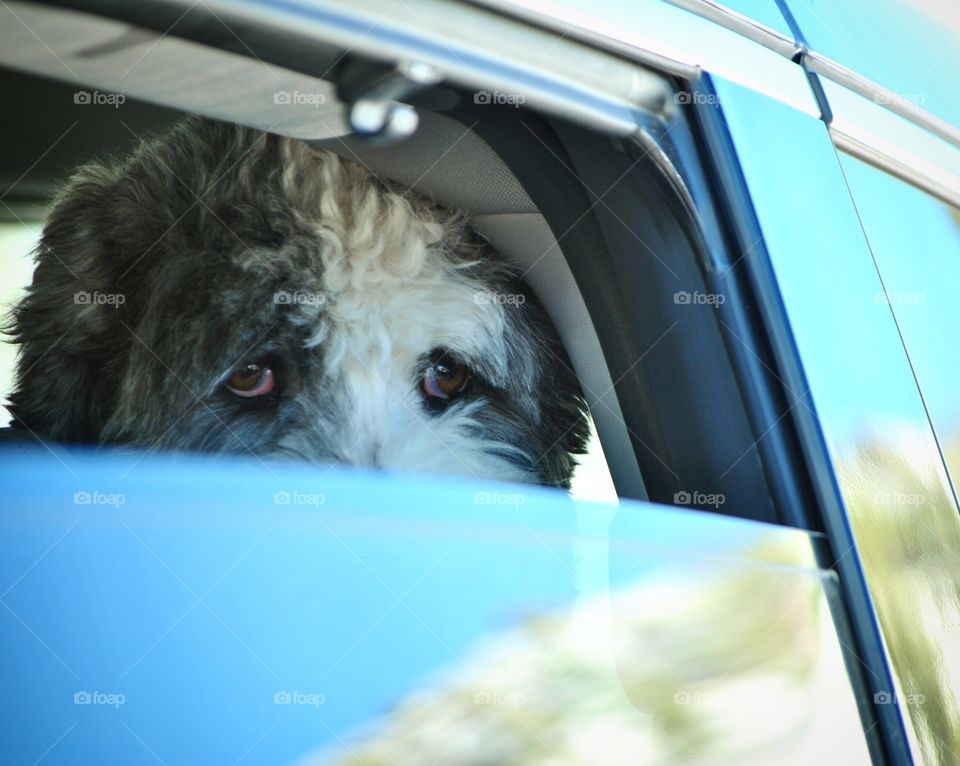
(222, 289)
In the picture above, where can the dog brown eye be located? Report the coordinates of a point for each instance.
(445, 378)
(251, 380)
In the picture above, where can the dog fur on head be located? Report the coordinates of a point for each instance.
(212, 248)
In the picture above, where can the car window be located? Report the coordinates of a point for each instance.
(915, 239)
(399, 619)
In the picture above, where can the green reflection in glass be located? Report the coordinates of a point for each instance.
(911, 552)
(699, 660)
(907, 523)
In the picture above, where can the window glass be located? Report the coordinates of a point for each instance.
(915, 239)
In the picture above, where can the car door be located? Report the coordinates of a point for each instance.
(198, 611)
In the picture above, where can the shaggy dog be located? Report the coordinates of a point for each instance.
(227, 290)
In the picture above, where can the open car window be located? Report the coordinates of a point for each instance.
(605, 210)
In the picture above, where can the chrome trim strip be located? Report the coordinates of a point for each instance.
(657, 55)
(822, 65)
(895, 167)
(863, 127)
(533, 17)
(884, 97)
(677, 40)
(742, 25)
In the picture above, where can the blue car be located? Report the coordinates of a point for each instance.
(744, 222)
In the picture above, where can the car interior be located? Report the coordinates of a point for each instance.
(619, 233)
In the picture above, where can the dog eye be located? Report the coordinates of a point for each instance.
(251, 380)
(445, 378)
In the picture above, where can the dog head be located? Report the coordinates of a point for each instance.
(227, 290)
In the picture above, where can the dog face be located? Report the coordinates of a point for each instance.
(227, 290)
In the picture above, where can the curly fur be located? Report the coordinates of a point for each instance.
(198, 232)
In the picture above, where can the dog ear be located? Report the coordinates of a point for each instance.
(565, 423)
(110, 230)
(66, 325)
(563, 429)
